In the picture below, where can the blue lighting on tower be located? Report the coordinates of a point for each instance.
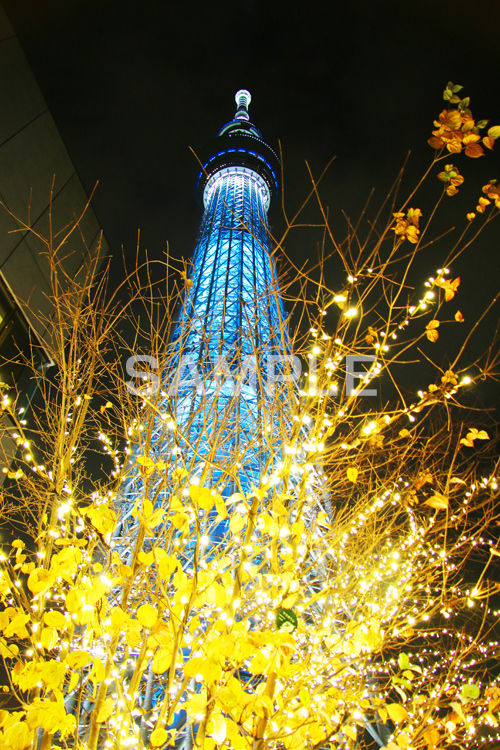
(228, 364)
(231, 335)
(228, 378)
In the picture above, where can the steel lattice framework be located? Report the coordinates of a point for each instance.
(232, 333)
(229, 357)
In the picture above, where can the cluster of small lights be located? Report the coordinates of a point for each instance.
(383, 590)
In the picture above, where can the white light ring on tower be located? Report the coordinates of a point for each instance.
(257, 178)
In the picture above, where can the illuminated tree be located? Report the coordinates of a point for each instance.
(324, 581)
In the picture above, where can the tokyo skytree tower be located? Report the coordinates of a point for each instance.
(228, 364)
(221, 411)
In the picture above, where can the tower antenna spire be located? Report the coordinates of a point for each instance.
(242, 99)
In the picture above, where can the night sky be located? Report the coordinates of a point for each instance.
(133, 84)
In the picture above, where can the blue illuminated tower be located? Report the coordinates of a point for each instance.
(228, 365)
(232, 333)
(228, 378)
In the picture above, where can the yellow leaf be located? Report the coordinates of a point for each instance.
(105, 710)
(259, 663)
(74, 601)
(196, 705)
(217, 729)
(145, 461)
(72, 683)
(474, 434)
(167, 566)
(17, 626)
(236, 498)
(437, 501)
(147, 615)
(471, 138)
(55, 619)
(17, 736)
(221, 596)
(352, 474)
(494, 132)
(220, 506)
(432, 325)
(175, 504)
(179, 474)
(40, 581)
(351, 648)
(49, 638)
(133, 635)
(78, 659)
(8, 652)
(52, 673)
(347, 647)
(432, 335)
(397, 712)
(436, 142)
(97, 674)
(278, 507)
(454, 146)
(153, 520)
(96, 591)
(102, 518)
(73, 541)
(159, 737)
(201, 496)
(322, 518)
(459, 317)
(298, 528)
(161, 635)
(146, 558)
(289, 602)
(404, 433)
(162, 660)
(432, 737)
(236, 523)
(180, 521)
